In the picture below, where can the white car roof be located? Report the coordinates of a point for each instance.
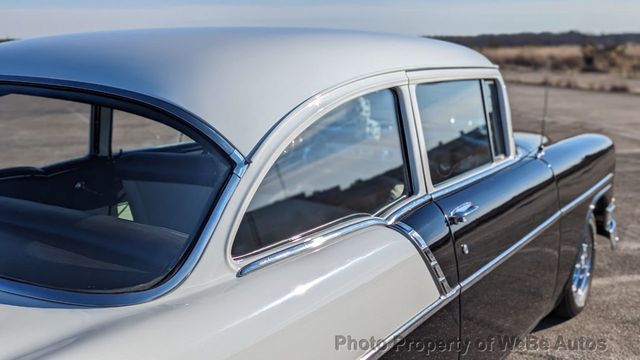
(240, 80)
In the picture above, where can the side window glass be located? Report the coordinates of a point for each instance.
(492, 105)
(454, 127)
(132, 132)
(37, 131)
(348, 162)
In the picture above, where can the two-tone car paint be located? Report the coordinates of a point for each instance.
(405, 272)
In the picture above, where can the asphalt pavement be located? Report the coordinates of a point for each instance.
(612, 316)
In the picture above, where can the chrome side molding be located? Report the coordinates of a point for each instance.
(432, 263)
(491, 265)
(599, 189)
(307, 245)
(582, 198)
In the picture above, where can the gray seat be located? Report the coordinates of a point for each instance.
(169, 189)
(70, 249)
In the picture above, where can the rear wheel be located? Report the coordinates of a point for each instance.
(576, 292)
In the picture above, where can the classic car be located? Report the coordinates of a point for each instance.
(284, 194)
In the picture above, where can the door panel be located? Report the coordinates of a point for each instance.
(511, 299)
(515, 295)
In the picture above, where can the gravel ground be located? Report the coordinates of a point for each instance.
(613, 311)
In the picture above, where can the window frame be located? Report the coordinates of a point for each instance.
(156, 110)
(480, 75)
(266, 152)
(483, 87)
(298, 121)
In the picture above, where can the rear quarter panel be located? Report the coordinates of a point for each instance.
(366, 284)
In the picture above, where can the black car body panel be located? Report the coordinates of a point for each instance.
(579, 163)
(508, 301)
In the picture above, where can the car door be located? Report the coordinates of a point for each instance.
(497, 204)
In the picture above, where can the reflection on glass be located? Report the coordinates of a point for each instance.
(132, 131)
(454, 127)
(28, 122)
(76, 217)
(348, 162)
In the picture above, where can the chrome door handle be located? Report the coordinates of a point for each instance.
(460, 213)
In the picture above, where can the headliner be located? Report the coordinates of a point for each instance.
(240, 80)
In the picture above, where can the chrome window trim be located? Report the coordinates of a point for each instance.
(309, 244)
(490, 129)
(503, 114)
(599, 189)
(74, 298)
(339, 223)
(318, 106)
(437, 76)
(335, 225)
(473, 176)
(413, 142)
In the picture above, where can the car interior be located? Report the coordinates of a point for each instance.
(106, 222)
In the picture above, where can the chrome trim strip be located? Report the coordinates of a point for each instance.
(412, 235)
(432, 263)
(298, 244)
(334, 225)
(417, 78)
(491, 265)
(502, 257)
(577, 201)
(407, 208)
(310, 244)
(241, 164)
(468, 179)
(411, 325)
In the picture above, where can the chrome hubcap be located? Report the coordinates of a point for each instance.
(582, 274)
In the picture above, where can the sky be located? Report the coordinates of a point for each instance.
(31, 18)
